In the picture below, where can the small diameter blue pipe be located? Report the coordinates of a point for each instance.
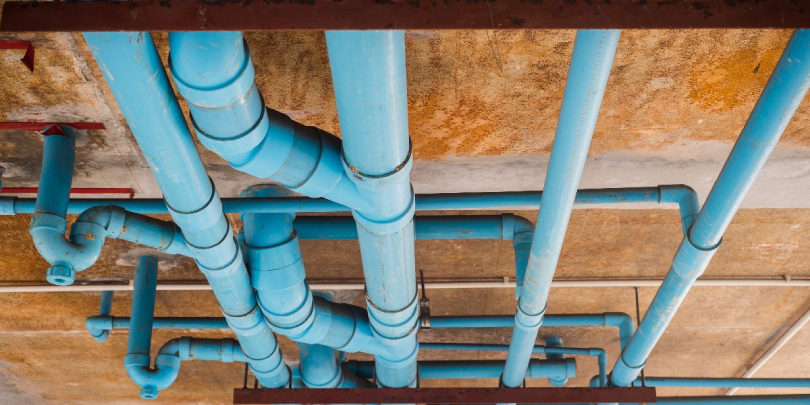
(737, 400)
(471, 369)
(137, 361)
(550, 352)
(368, 76)
(684, 196)
(104, 310)
(136, 76)
(779, 100)
(591, 61)
(724, 382)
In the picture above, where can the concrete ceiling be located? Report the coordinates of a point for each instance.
(482, 111)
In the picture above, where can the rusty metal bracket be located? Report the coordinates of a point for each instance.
(79, 190)
(28, 57)
(444, 395)
(248, 15)
(50, 128)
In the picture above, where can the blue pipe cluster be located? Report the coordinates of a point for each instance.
(587, 78)
(277, 273)
(153, 113)
(784, 91)
(78, 252)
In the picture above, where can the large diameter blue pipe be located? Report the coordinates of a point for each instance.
(587, 78)
(137, 79)
(273, 256)
(320, 369)
(215, 74)
(368, 75)
(779, 100)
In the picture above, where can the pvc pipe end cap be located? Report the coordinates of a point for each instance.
(149, 392)
(60, 275)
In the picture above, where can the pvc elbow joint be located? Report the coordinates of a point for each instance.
(151, 380)
(66, 256)
(99, 327)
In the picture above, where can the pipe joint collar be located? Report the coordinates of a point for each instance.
(328, 170)
(295, 323)
(202, 218)
(44, 220)
(249, 324)
(399, 362)
(277, 141)
(99, 327)
(393, 325)
(690, 261)
(390, 225)
(229, 92)
(528, 321)
(238, 144)
(228, 270)
(276, 267)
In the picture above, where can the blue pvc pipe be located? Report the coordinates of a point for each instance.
(273, 255)
(368, 76)
(137, 79)
(737, 400)
(104, 311)
(215, 74)
(587, 78)
(779, 100)
(470, 369)
(724, 382)
(320, 369)
(682, 195)
(552, 353)
(137, 361)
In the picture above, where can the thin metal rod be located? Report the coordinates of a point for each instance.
(437, 285)
(774, 349)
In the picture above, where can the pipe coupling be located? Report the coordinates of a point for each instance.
(201, 219)
(239, 144)
(249, 324)
(393, 325)
(527, 321)
(230, 92)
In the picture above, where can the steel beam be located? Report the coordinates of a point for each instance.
(444, 395)
(248, 15)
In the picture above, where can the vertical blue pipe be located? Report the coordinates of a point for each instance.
(58, 157)
(368, 75)
(137, 361)
(555, 341)
(587, 78)
(135, 74)
(781, 97)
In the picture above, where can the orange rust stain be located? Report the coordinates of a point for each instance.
(734, 81)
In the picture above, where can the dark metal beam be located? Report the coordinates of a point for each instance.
(444, 395)
(254, 15)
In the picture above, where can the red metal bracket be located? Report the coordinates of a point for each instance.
(28, 58)
(95, 190)
(51, 128)
(444, 395)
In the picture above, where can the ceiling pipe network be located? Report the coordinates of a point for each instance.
(135, 74)
(591, 62)
(782, 95)
(368, 76)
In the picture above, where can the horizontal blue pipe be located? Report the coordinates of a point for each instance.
(680, 194)
(471, 369)
(737, 400)
(782, 95)
(600, 354)
(724, 382)
(617, 319)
